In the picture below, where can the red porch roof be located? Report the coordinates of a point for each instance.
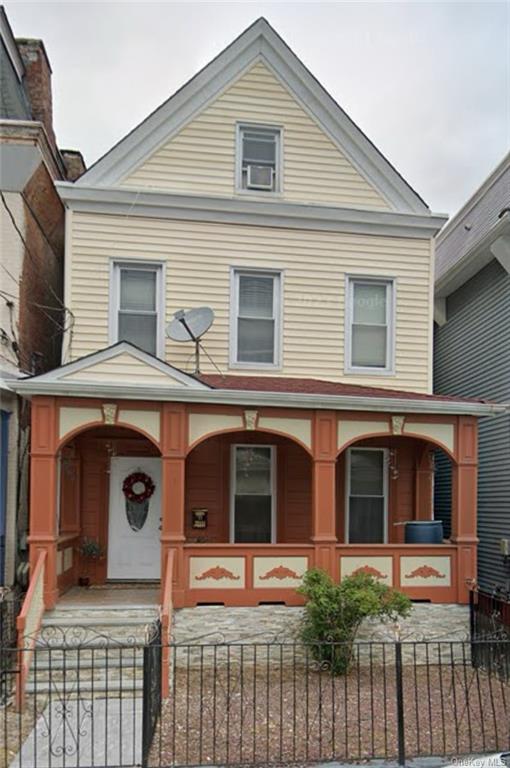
(317, 387)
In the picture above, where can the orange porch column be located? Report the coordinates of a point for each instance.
(464, 503)
(324, 449)
(43, 532)
(174, 442)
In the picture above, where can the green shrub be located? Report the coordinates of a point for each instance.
(334, 612)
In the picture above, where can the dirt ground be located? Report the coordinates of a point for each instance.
(301, 715)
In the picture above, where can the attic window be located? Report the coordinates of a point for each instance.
(258, 159)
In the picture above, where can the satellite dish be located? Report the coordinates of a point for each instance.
(191, 326)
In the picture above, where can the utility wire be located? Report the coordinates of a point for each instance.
(29, 252)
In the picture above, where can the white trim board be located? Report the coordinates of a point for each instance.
(259, 42)
(246, 210)
(202, 394)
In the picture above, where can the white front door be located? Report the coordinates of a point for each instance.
(134, 531)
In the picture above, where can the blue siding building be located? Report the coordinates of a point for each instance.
(472, 349)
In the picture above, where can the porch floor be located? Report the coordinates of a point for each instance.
(110, 596)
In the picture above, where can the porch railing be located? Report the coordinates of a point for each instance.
(264, 571)
(166, 624)
(28, 624)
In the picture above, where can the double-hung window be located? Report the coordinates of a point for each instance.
(137, 305)
(258, 158)
(256, 322)
(369, 325)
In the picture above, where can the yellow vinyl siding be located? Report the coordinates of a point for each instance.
(123, 366)
(200, 159)
(198, 258)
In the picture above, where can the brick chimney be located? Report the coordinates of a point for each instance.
(74, 163)
(37, 83)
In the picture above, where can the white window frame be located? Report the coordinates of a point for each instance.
(391, 289)
(116, 265)
(233, 448)
(277, 275)
(347, 515)
(278, 187)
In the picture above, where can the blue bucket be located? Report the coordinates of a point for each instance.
(424, 532)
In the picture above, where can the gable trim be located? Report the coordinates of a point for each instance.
(258, 42)
(274, 213)
(59, 375)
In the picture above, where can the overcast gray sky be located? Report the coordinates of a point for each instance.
(429, 83)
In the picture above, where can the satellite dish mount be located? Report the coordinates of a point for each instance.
(191, 326)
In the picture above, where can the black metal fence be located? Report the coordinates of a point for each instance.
(10, 607)
(152, 681)
(95, 702)
(490, 621)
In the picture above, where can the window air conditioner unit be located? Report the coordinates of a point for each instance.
(260, 177)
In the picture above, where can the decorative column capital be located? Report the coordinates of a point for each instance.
(324, 436)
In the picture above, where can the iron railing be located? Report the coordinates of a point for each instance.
(152, 688)
(96, 702)
(490, 621)
(10, 607)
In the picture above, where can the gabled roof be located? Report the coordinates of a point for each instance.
(110, 365)
(260, 42)
(464, 244)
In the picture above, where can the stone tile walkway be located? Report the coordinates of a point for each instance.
(95, 732)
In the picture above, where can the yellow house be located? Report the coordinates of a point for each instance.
(301, 429)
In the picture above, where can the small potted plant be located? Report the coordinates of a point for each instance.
(89, 549)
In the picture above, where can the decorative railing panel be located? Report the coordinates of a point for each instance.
(420, 570)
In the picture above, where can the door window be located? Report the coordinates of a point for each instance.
(253, 502)
(367, 496)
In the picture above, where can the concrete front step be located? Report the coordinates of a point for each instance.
(55, 660)
(92, 649)
(115, 677)
(86, 686)
(106, 620)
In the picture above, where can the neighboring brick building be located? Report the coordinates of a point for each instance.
(32, 314)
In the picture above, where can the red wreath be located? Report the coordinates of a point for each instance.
(130, 482)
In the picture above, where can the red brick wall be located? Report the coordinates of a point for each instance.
(41, 316)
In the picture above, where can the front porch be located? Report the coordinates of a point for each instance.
(248, 500)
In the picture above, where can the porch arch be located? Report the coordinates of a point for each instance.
(408, 480)
(386, 435)
(257, 431)
(89, 426)
(209, 478)
(85, 495)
